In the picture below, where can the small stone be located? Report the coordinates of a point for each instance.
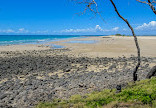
(67, 70)
(3, 96)
(118, 88)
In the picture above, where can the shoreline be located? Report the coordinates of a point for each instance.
(101, 46)
(41, 41)
(30, 74)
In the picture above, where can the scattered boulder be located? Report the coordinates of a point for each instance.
(152, 73)
(118, 88)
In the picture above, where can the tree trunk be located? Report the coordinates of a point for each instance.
(135, 39)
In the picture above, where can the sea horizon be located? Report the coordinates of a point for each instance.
(35, 39)
(40, 39)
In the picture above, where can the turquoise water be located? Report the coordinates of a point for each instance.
(38, 39)
(54, 46)
(32, 39)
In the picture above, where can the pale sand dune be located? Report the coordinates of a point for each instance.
(106, 46)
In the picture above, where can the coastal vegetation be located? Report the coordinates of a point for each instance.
(141, 94)
(119, 35)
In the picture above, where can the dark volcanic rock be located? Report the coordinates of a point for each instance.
(118, 88)
(32, 76)
(152, 73)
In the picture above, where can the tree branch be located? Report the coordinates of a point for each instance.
(135, 39)
(150, 3)
(89, 6)
(152, 6)
(142, 1)
(92, 2)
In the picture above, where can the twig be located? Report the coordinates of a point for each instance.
(150, 3)
(89, 5)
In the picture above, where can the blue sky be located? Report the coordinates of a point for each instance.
(60, 17)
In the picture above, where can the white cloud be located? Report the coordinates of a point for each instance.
(7, 31)
(150, 26)
(10, 31)
(77, 30)
(40, 32)
(74, 30)
(115, 29)
(124, 29)
(96, 29)
(22, 30)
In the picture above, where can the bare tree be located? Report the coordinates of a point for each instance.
(135, 39)
(93, 7)
(151, 3)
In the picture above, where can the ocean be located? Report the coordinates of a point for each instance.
(32, 39)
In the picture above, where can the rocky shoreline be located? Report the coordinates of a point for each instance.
(29, 77)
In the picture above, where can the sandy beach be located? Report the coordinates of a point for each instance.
(111, 46)
(30, 74)
(102, 46)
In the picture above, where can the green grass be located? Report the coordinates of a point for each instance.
(142, 94)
